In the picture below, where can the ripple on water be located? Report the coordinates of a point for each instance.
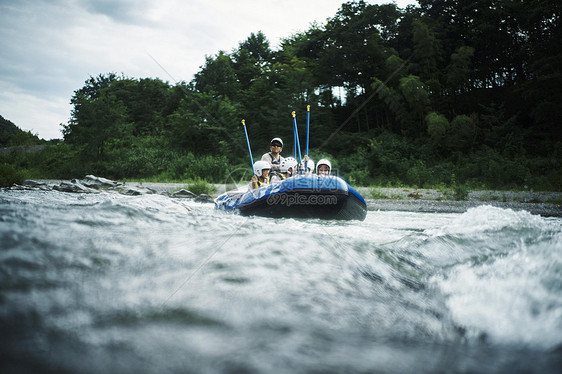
(149, 284)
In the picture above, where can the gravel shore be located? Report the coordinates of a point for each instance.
(547, 204)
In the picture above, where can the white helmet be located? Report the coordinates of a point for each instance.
(309, 165)
(288, 162)
(324, 161)
(276, 140)
(259, 166)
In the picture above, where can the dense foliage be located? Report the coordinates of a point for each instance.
(451, 92)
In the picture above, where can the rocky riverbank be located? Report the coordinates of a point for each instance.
(383, 199)
(93, 184)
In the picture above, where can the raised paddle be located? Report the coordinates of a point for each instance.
(296, 132)
(307, 133)
(248, 142)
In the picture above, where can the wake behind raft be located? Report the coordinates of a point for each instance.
(302, 196)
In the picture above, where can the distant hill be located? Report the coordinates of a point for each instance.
(11, 135)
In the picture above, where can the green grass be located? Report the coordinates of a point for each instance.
(9, 175)
(376, 194)
(202, 187)
(460, 192)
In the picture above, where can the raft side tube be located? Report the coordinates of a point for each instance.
(313, 196)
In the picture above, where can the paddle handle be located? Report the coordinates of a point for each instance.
(248, 143)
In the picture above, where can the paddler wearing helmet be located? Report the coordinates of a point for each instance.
(309, 166)
(324, 167)
(289, 167)
(261, 175)
(273, 157)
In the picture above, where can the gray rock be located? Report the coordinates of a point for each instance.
(92, 181)
(134, 191)
(184, 194)
(19, 187)
(73, 186)
(36, 186)
(204, 198)
(32, 183)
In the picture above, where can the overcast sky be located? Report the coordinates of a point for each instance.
(48, 49)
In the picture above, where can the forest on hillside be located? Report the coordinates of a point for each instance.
(450, 92)
(13, 136)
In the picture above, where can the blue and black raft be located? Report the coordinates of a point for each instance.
(306, 196)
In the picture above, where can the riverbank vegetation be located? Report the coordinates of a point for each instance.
(447, 93)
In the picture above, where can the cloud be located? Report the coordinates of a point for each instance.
(36, 110)
(50, 48)
(126, 11)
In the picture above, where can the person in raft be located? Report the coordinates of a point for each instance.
(274, 156)
(324, 167)
(309, 166)
(261, 175)
(288, 168)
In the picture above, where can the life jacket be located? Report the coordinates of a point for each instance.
(276, 173)
(259, 183)
(275, 164)
(273, 161)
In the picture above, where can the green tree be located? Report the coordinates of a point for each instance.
(204, 125)
(408, 103)
(437, 126)
(462, 133)
(95, 123)
(427, 52)
(11, 135)
(394, 70)
(381, 82)
(427, 57)
(416, 96)
(251, 59)
(353, 48)
(218, 77)
(97, 118)
(459, 70)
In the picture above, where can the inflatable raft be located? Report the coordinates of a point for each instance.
(312, 196)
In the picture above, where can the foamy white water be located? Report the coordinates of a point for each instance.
(97, 283)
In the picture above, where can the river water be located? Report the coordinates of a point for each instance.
(96, 283)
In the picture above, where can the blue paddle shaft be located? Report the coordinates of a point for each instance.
(307, 126)
(297, 143)
(249, 149)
